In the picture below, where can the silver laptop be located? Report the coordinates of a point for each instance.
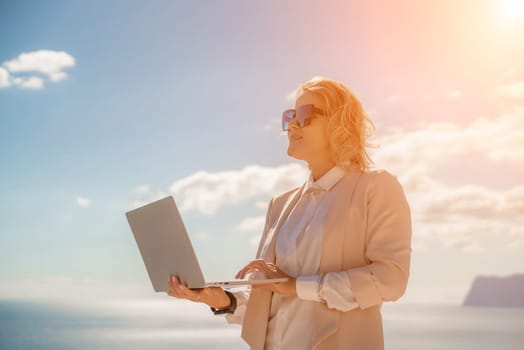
(166, 249)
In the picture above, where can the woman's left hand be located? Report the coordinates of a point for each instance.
(270, 270)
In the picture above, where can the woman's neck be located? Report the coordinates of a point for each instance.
(320, 167)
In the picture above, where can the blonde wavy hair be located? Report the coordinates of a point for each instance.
(348, 128)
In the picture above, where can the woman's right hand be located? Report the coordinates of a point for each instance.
(212, 296)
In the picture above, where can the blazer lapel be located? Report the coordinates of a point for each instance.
(336, 224)
(268, 251)
(254, 326)
(332, 250)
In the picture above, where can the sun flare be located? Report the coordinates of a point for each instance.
(510, 10)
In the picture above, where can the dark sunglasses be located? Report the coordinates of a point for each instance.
(302, 114)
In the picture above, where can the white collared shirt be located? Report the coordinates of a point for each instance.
(298, 251)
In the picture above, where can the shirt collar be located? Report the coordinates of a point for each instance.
(326, 181)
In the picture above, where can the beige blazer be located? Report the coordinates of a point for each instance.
(368, 234)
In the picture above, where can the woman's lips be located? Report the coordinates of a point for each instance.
(296, 138)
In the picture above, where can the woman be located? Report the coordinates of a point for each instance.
(343, 238)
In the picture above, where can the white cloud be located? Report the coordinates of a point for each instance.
(393, 98)
(202, 236)
(57, 76)
(475, 202)
(453, 93)
(510, 72)
(207, 192)
(447, 93)
(274, 124)
(142, 189)
(4, 78)
(31, 83)
(514, 90)
(460, 217)
(291, 96)
(255, 240)
(252, 224)
(371, 113)
(261, 204)
(47, 62)
(517, 243)
(416, 152)
(464, 216)
(474, 248)
(83, 202)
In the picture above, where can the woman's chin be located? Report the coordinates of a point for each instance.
(294, 154)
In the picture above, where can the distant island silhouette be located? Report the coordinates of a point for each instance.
(497, 291)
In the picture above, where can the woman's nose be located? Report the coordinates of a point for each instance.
(293, 123)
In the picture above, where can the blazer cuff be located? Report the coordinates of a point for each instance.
(308, 287)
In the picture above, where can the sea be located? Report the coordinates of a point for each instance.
(177, 324)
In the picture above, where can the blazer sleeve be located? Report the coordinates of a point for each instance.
(388, 244)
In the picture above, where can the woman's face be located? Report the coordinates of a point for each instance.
(310, 142)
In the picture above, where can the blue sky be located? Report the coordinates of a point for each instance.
(170, 97)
